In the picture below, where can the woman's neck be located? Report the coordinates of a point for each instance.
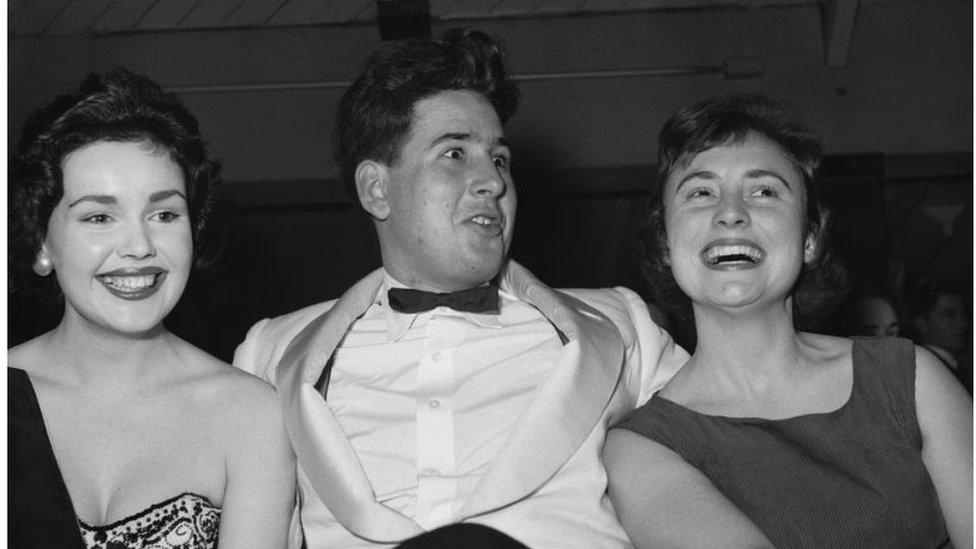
(88, 353)
(755, 345)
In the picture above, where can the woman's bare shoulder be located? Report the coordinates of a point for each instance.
(826, 347)
(33, 357)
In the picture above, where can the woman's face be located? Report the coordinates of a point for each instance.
(734, 216)
(120, 240)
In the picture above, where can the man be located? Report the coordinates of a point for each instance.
(408, 413)
(940, 318)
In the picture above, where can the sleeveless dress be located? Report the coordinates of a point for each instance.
(853, 477)
(40, 511)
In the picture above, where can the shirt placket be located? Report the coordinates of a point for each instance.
(436, 461)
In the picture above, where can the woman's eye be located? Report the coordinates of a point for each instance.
(454, 154)
(764, 192)
(167, 217)
(96, 219)
(699, 192)
(501, 161)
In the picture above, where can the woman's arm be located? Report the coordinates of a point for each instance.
(260, 494)
(945, 416)
(664, 502)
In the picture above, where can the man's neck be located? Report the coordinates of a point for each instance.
(399, 281)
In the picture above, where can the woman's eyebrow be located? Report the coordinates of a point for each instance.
(698, 174)
(768, 173)
(99, 198)
(163, 195)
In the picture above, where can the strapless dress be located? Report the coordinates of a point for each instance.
(187, 521)
(40, 512)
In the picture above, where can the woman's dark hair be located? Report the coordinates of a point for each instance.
(116, 106)
(376, 112)
(729, 119)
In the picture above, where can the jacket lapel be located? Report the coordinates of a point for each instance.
(324, 453)
(567, 406)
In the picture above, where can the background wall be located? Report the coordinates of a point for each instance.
(896, 120)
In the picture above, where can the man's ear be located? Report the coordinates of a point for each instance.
(371, 181)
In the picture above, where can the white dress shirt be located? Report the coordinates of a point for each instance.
(428, 399)
(536, 417)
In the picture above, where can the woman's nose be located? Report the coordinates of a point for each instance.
(732, 212)
(137, 243)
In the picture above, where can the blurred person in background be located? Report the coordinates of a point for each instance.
(942, 323)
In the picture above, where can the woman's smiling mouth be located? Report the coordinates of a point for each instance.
(133, 284)
(731, 255)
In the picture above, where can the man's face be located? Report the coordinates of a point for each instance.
(448, 209)
(947, 324)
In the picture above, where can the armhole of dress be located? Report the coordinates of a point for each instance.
(898, 375)
(641, 422)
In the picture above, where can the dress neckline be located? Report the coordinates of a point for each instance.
(205, 503)
(839, 411)
(171, 502)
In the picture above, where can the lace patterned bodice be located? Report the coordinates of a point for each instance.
(187, 521)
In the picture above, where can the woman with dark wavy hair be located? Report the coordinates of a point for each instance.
(771, 435)
(121, 433)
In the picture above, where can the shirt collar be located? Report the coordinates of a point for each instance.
(398, 323)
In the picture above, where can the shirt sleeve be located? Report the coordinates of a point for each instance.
(247, 354)
(657, 357)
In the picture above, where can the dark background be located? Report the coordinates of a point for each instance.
(886, 83)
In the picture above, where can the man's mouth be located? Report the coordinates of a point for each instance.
(732, 255)
(133, 284)
(491, 223)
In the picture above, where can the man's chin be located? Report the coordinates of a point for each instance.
(482, 269)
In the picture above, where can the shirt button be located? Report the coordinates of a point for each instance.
(437, 356)
(434, 403)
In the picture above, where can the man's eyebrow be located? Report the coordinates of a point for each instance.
(503, 142)
(163, 195)
(99, 198)
(453, 136)
(703, 174)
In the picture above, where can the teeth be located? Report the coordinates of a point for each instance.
(713, 255)
(130, 283)
(482, 220)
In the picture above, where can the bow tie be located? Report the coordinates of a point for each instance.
(483, 299)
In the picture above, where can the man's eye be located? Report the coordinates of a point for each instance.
(764, 192)
(501, 161)
(455, 154)
(699, 192)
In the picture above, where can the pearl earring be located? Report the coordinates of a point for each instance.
(42, 266)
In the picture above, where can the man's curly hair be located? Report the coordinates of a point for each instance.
(375, 113)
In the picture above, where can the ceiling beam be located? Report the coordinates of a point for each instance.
(839, 16)
(399, 19)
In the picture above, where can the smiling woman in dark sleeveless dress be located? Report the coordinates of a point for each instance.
(771, 434)
(121, 434)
